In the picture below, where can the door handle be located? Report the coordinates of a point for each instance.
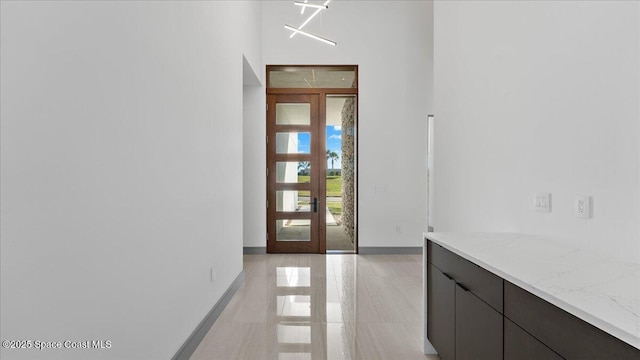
(315, 205)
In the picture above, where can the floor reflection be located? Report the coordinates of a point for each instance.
(322, 307)
(301, 317)
(293, 276)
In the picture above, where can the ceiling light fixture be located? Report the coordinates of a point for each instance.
(304, 4)
(309, 19)
(304, 7)
(327, 41)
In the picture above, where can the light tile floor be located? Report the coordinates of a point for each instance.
(322, 307)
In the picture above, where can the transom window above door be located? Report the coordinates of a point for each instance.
(328, 77)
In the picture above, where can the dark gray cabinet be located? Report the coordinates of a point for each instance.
(479, 281)
(478, 328)
(462, 320)
(520, 345)
(474, 314)
(569, 336)
(441, 313)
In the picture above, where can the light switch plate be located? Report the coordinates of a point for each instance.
(542, 202)
(582, 206)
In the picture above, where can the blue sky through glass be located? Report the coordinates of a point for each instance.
(304, 139)
(334, 143)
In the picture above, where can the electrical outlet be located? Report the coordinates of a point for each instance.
(582, 206)
(212, 274)
(398, 229)
(542, 202)
(381, 188)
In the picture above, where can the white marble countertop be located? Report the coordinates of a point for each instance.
(600, 291)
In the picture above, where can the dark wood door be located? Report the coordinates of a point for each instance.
(478, 328)
(441, 317)
(293, 164)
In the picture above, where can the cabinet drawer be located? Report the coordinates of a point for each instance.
(572, 338)
(479, 281)
(440, 257)
(519, 345)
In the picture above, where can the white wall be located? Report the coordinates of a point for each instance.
(253, 138)
(254, 165)
(539, 97)
(121, 171)
(249, 35)
(389, 42)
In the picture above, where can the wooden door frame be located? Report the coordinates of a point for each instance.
(322, 124)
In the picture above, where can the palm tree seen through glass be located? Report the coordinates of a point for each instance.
(333, 156)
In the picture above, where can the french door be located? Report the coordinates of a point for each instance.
(295, 164)
(312, 158)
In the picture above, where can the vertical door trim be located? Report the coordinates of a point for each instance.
(322, 175)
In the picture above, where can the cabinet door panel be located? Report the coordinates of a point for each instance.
(441, 313)
(519, 345)
(478, 328)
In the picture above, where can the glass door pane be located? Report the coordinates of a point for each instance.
(341, 174)
(293, 114)
(293, 172)
(293, 230)
(293, 142)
